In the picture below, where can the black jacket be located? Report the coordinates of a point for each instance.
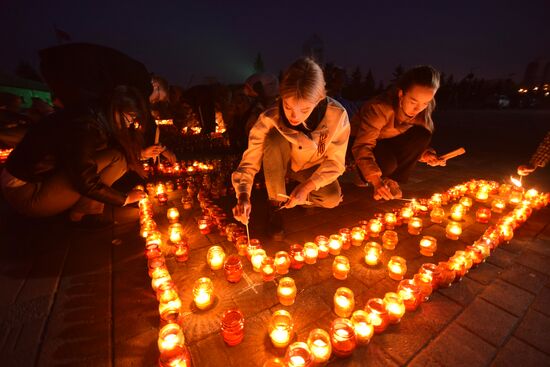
(66, 141)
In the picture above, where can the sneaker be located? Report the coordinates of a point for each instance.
(275, 228)
(92, 222)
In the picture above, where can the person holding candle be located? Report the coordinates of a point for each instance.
(395, 130)
(540, 158)
(306, 136)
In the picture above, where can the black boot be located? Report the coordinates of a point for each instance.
(275, 228)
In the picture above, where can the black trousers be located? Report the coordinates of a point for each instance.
(397, 156)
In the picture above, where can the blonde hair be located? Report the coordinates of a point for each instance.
(303, 80)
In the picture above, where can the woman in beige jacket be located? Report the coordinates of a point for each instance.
(305, 137)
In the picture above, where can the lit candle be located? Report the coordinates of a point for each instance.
(344, 302)
(156, 264)
(375, 227)
(175, 233)
(154, 239)
(390, 220)
(345, 237)
(498, 205)
(432, 271)
(406, 213)
(437, 215)
(516, 196)
(415, 226)
(436, 200)
(334, 244)
(428, 245)
(215, 257)
(357, 236)
(233, 268)
(389, 240)
(453, 230)
(311, 251)
(267, 269)
(282, 262)
(241, 243)
(281, 328)
(377, 314)
(394, 306)
(170, 336)
(363, 329)
(169, 311)
(446, 274)
(204, 225)
(483, 215)
(252, 246)
(181, 251)
(373, 250)
(322, 244)
(173, 215)
(482, 194)
(466, 202)
(397, 267)
(177, 357)
(457, 212)
(147, 227)
(460, 264)
(286, 291)
(296, 256)
(256, 259)
(162, 281)
(474, 254)
(506, 232)
(318, 342)
(342, 337)
(203, 293)
(410, 293)
(298, 355)
(340, 267)
(424, 283)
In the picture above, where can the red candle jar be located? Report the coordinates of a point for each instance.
(204, 224)
(410, 293)
(390, 220)
(345, 237)
(377, 314)
(296, 256)
(267, 269)
(156, 263)
(282, 262)
(252, 247)
(322, 243)
(298, 355)
(483, 215)
(233, 268)
(232, 327)
(178, 356)
(474, 254)
(342, 337)
(424, 282)
(242, 245)
(181, 251)
(431, 271)
(447, 275)
(335, 244)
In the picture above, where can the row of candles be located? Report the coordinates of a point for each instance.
(404, 299)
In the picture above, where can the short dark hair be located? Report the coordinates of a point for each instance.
(424, 75)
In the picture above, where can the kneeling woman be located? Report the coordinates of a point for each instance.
(71, 159)
(306, 137)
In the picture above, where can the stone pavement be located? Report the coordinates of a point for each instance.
(74, 298)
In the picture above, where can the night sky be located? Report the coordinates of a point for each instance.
(188, 41)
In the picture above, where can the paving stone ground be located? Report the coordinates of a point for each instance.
(73, 298)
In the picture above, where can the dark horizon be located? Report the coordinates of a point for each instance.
(188, 43)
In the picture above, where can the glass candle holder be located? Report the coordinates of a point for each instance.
(428, 245)
(377, 314)
(433, 272)
(344, 302)
(252, 247)
(203, 293)
(466, 202)
(268, 269)
(474, 254)
(459, 264)
(322, 244)
(483, 215)
(204, 224)
(406, 213)
(281, 328)
(215, 257)
(453, 230)
(415, 225)
(175, 233)
(147, 227)
(424, 283)
(410, 293)
(181, 251)
(457, 212)
(286, 291)
(390, 220)
(256, 259)
(482, 195)
(187, 202)
(437, 215)
(436, 200)
(232, 327)
(375, 227)
(169, 311)
(345, 237)
(165, 288)
(334, 244)
(154, 238)
(363, 329)
(155, 264)
(340, 267)
(318, 342)
(282, 262)
(179, 356)
(372, 251)
(173, 215)
(241, 244)
(397, 267)
(311, 251)
(390, 240)
(395, 307)
(170, 337)
(233, 269)
(357, 236)
(298, 355)
(342, 337)
(296, 256)
(498, 205)
(516, 196)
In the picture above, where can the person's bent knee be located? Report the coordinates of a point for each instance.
(332, 202)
